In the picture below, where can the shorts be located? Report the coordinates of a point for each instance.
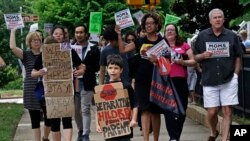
(221, 95)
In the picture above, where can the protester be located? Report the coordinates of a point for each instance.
(85, 89)
(115, 67)
(58, 37)
(28, 58)
(219, 72)
(245, 41)
(111, 36)
(178, 75)
(151, 23)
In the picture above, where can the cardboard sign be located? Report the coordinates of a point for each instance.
(60, 106)
(58, 88)
(219, 49)
(160, 49)
(124, 19)
(13, 20)
(171, 19)
(95, 22)
(138, 15)
(113, 110)
(58, 81)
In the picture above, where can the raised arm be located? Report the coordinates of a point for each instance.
(122, 47)
(17, 51)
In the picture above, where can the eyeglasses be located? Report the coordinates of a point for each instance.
(36, 41)
(170, 30)
(149, 23)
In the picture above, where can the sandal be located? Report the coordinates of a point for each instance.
(212, 138)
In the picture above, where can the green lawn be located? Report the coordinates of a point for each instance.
(10, 115)
(11, 93)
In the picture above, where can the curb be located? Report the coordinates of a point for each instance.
(198, 114)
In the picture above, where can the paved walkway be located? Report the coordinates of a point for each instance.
(192, 131)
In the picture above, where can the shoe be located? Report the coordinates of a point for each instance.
(79, 137)
(212, 138)
(85, 138)
(45, 139)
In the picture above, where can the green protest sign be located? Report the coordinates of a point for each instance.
(95, 22)
(171, 19)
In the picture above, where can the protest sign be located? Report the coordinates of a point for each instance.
(160, 49)
(95, 22)
(13, 20)
(113, 110)
(58, 81)
(171, 19)
(124, 19)
(218, 49)
(48, 27)
(138, 15)
(60, 106)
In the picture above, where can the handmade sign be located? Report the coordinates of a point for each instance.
(58, 81)
(113, 109)
(13, 20)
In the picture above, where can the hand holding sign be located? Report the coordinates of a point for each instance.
(206, 55)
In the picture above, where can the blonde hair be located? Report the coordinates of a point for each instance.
(31, 36)
(243, 34)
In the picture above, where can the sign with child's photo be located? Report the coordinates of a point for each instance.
(113, 109)
(58, 81)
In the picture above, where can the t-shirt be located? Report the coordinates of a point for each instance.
(144, 68)
(176, 69)
(109, 50)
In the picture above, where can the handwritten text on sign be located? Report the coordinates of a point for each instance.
(58, 82)
(60, 106)
(113, 112)
(59, 88)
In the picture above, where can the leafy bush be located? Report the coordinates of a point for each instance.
(8, 74)
(16, 84)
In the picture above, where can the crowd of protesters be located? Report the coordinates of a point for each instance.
(135, 69)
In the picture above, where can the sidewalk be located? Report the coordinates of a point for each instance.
(192, 131)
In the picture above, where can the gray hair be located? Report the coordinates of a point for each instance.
(215, 10)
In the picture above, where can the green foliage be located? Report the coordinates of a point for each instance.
(14, 85)
(7, 74)
(10, 115)
(245, 16)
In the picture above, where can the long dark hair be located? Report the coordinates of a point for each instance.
(178, 41)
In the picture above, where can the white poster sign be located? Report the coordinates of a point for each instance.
(218, 49)
(138, 15)
(124, 19)
(13, 20)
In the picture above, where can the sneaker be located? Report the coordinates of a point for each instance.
(85, 138)
(79, 137)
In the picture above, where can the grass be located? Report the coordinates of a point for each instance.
(10, 115)
(11, 93)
